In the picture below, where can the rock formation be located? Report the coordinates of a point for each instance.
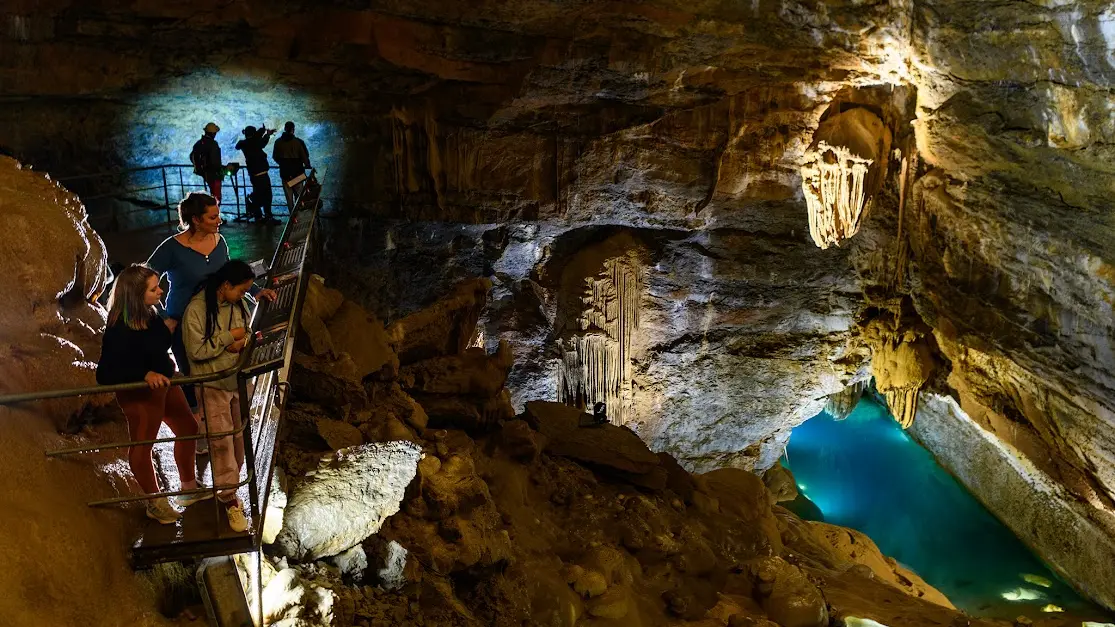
(543, 520)
(55, 269)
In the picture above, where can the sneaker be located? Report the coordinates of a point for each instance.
(202, 447)
(186, 500)
(160, 511)
(272, 221)
(236, 518)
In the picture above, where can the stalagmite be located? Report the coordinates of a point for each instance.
(843, 168)
(601, 289)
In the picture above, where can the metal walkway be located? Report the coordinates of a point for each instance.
(262, 378)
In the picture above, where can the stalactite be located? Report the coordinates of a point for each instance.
(901, 360)
(843, 168)
(597, 340)
(841, 404)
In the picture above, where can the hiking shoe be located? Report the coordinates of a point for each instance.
(161, 512)
(236, 518)
(186, 500)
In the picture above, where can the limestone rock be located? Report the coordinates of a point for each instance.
(470, 373)
(466, 412)
(788, 597)
(339, 435)
(444, 328)
(352, 563)
(347, 499)
(321, 302)
(516, 439)
(332, 383)
(780, 481)
(742, 494)
(55, 267)
(607, 446)
(361, 335)
(387, 399)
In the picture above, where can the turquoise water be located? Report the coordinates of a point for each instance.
(866, 473)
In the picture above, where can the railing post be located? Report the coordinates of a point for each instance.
(249, 451)
(166, 196)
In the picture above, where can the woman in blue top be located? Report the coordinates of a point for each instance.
(187, 259)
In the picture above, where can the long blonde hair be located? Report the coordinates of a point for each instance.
(127, 299)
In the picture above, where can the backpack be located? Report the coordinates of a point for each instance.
(199, 158)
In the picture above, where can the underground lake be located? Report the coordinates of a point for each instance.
(866, 473)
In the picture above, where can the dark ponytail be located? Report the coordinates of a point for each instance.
(234, 272)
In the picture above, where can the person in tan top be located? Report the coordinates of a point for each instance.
(215, 330)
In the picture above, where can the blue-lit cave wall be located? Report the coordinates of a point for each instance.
(167, 120)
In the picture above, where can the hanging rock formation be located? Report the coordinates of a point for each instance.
(841, 172)
(902, 361)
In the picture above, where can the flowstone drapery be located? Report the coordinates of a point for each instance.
(597, 321)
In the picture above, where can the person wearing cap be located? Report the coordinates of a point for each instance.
(293, 159)
(255, 160)
(206, 158)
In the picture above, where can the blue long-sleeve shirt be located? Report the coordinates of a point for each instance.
(185, 269)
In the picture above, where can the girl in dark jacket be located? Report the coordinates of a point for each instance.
(134, 349)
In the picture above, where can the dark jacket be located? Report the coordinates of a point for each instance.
(291, 156)
(255, 160)
(128, 354)
(208, 152)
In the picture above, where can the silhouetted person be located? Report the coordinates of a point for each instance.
(293, 160)
(206, 158)
(255, 160)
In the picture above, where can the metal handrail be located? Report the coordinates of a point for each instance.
(239, 181)
(241, 363)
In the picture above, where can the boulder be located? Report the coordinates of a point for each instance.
(361, 335)
(330, 383)
(605, 446)
(445, 328)
(352, 563)
(387, 400)
(472, 372)
(339, 435)
(787, 595)
(347, 499)
(321, 302)
(466, 412)
(742, 494)
(518, 441)
(678, 479)
(781, 483)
